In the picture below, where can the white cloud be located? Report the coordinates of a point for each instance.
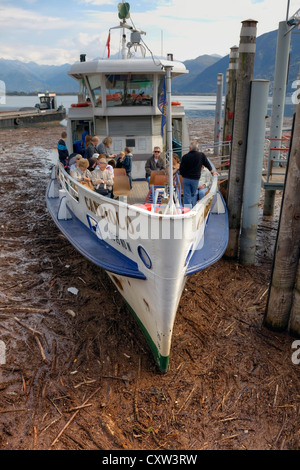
(186, 28)
(15, 19)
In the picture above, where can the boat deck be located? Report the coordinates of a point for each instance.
(138, 192)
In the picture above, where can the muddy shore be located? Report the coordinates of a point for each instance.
(77, 373)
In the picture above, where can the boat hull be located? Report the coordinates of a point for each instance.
(147, 255)
(14, 120)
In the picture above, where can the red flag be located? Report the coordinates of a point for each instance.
(108, 45)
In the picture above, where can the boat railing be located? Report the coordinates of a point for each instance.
(76, 191)
(218, 153)
(66, 182)
(276, 151)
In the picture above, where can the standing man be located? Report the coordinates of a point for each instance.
(63, 153)
(190, 169)
(154, 163)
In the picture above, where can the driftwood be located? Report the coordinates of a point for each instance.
(73, 417)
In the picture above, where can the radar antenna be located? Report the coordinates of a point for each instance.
(135, 42)
(135, 38)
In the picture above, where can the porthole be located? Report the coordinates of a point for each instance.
(144, 257)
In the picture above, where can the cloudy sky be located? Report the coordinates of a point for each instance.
(56, 32)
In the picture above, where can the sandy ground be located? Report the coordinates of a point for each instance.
(77, 373)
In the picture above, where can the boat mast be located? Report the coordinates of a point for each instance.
(124, 49)
(169, 135)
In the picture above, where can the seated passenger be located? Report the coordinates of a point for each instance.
(74, 161)
(82, 174)
(125, 161)
(93, 161)
(102, 178)
(155, 162)
(204, 182)
(109, 165)
(175, 164)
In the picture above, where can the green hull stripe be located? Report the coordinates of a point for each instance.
(162, 361)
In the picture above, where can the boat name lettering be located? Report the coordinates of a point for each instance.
(110, 215)
(122, 243)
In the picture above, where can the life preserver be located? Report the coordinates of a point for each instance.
(113, 97)
(80, 105)
(176, 103)
(148, 207)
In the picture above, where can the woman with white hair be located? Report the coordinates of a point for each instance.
(102, 178)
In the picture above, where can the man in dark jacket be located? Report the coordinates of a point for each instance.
(190, 170)
(92, 147)
(63, 153)
(154, 163)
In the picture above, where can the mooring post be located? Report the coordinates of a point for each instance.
(287, 249)
(294, 322)
(253, 169)
(240, 131)
(231, 78)
(218, 114)
(278, 102)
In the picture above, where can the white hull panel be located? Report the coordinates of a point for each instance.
(145, 254)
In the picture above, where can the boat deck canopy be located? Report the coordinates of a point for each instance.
(126, 66)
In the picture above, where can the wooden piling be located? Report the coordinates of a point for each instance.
(283, 300)
(231, 78)
(294, 321)
(278, 101)
(218, 114)
(247, 49)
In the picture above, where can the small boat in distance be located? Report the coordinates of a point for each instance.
(144, 238)
(45, 111)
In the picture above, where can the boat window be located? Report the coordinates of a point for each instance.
(95, 86)
(129, 89)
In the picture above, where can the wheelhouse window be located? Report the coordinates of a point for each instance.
(129, 89)
(95, 86)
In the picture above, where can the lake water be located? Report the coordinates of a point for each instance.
(196, 107)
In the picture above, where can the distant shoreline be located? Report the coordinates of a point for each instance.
(35, 93)
(66, 93)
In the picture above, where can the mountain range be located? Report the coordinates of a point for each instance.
(264, 66)
(202, 78)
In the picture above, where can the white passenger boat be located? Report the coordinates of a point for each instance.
(146, 241)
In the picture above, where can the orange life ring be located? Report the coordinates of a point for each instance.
(80, 105)
(148, 207)
(176, 103)
(113, 97)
